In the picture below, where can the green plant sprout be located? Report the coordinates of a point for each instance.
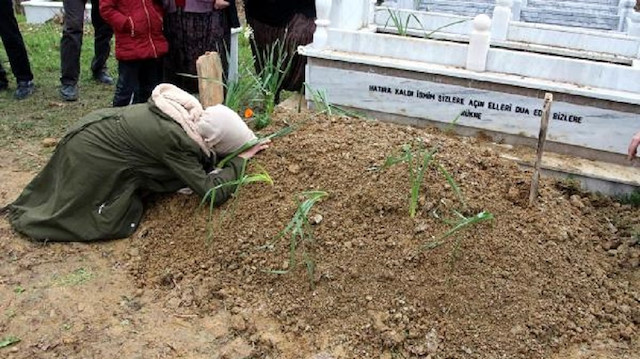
(463, 223)
(276, 64)
(453, 184)
(428, 35)
(243, 180)
(322, 104)
(300, 233)
(7, 341)
(242, 91)
(451, 126)
(401, 26)
(418, 162)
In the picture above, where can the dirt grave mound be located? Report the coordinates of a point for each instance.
(529, 284)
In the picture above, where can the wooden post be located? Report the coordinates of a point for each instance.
(542, 138)
(210, 85)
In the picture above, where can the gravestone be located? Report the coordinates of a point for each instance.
(480, 87)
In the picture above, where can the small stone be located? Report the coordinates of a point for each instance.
(420, 228)
(576, 201)
(316, 219)
(238, 323)
(49, 142)
(392, 338)
(321, 356)
(368, 298)
(294, 168)
(432, 341)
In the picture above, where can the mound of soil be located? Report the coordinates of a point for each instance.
(528, 284)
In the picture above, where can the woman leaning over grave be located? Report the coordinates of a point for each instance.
(282, 22)
(93, 186)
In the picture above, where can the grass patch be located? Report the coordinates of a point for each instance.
(77, 277)
(23, 124)
(632, 199)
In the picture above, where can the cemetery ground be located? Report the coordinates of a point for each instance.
(560, 279)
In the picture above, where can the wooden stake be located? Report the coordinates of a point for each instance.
(210, 86)
(542, 138)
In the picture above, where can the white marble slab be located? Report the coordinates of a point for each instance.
(39, 12)
(584, 126)
(613, 43)
(498, 78)
(553, 68)
(595, 14)
(553, 39)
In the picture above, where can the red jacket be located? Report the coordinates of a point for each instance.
(137, 25)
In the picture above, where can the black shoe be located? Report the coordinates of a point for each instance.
(24, 90)
(69, 92)
(103, 78)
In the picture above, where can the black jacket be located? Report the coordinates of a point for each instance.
(278, 13)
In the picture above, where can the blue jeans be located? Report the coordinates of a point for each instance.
(136, 81)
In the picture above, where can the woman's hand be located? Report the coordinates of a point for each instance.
(220, 4)
(633, 146)
(255, 149)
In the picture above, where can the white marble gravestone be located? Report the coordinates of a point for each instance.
(486, 85)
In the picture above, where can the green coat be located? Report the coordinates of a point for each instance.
(91, 187)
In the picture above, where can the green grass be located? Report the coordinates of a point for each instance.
(632, 199)
(77, 277)
(300, 234)
(418, 161)
(7, 341)
(23, 124)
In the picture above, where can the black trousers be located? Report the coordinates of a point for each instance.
(13, 44)
(71, 42)
(136, 81)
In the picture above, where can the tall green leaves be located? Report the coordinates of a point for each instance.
(418, 161)
(275, 64)
(300, 233)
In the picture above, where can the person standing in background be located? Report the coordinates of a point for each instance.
(16, 51)
(140, 45)
(193, 27)
(71, 45)
(291, 21)
(633, 146)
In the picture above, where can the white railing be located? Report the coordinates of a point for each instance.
(475, 54)
(576, 42)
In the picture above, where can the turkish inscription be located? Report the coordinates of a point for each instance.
(484, 109)
(476, 106)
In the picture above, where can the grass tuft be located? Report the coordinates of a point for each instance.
(300, 233)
